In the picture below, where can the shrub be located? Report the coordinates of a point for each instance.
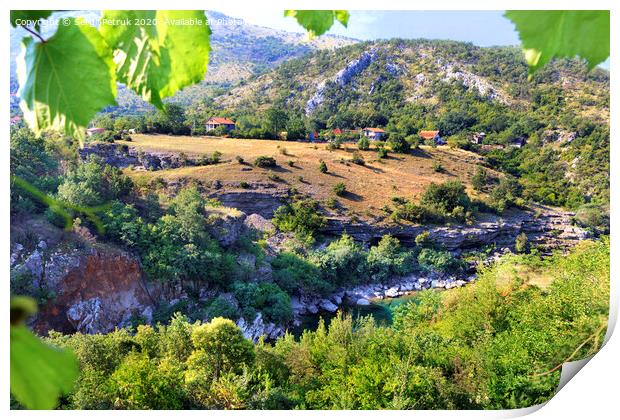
(265, 162)
(268, 298)
(593, 216)
(423, 240)
(413, 140)
(295, 274)
(340, 189)
(274, 177)
(363, 143)
(291, 163)
(442, 261)
(480, 178)
(398, 144)
(244, 185)
(382, 153)
(342, 262)
(332, 203)
(522, 243)
(388, 259)
(221, 307)
(437, 167)
(216, 157)
(240, 160)
(357, 158)
(323, 167)
(446, 197)
(301, 217)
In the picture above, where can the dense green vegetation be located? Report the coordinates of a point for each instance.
(496, 344)
(200, 365)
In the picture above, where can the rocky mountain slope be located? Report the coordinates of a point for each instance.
(371, 74)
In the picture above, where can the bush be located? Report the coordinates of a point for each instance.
(323, 167)
(221, 307)
(301, 217)
(294, 274)
(265, 162)
(340, 189)
(389, 259)
(436, 260)
(480, 178)
(382, 153)
(398, 144)
(414, 141)
(437, 167)
(240, 160)
(594, 217)
(268, 298)
(522, 243)
(357, 158)
(363, 143)
(423, 240)
(446, 197)
(342, 262)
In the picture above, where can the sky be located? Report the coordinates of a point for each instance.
(483, 28)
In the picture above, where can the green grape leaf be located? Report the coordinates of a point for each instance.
(160, 52)
(65, 80)
(28, 16)
(317, 22)
(546, 34)
(39, 373)
(21, 308)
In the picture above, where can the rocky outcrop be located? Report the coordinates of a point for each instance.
(544, 227)
(123, 156)
(89, 290)
(263, 201)
(343, 77)
(259, 328)
(224, 224)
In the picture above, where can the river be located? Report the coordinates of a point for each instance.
(381, 310)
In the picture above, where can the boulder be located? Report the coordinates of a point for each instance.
(392, 292)
(362, 302)
(225, 224)
(326, 305)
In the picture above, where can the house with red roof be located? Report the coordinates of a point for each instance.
(94, 130)
(431, 135)
(373, 133)
(216, 122)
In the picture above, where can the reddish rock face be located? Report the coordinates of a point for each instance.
(97, 293)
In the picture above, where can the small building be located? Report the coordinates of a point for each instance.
(94, 130)
(16, 120)
(431, 135)
(216, 122)
(314, 136)
(373, 133)
(337, 132)
(518, 143)
(478, 138)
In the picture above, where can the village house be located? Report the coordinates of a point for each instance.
(518, 143)
(373, 133)
(16, 120)
(94, 130)
(431, 135)
(478, 138)
(216, 122)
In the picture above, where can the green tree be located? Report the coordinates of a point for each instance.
(223, 347)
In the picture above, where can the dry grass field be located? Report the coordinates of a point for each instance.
(369, 186)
